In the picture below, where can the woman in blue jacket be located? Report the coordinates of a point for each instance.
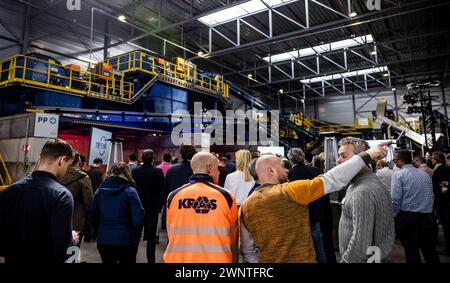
(117, 215)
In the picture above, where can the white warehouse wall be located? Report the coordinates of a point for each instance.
(339, 109)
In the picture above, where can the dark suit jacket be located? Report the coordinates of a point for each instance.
(223, 175)
(316, 208)
(96, 177)
(149, 184)
(36, 220)
(176, 176)
(441, 174)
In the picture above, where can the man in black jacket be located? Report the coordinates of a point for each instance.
(440, 175)
(149, 184)
(179, 174)
(95, 174)
(36, 212)
(320, 216)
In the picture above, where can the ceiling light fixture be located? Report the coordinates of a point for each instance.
(242, 10)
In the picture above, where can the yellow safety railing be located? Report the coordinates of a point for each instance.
(5, 178)
(168, 71)
(20, 70)
(308, 122)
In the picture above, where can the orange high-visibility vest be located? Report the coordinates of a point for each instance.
(201, 223)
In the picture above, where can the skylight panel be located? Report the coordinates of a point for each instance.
(273, 2)
(342, 44)
(231, 13)
(253, 6)
(346, 75)
(208, 20)
(241, 10)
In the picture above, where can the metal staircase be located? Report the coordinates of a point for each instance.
(255, 103)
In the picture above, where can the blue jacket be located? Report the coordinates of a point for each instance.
(117, 213)
(36, 220)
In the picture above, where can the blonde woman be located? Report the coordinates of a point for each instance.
(240, 182)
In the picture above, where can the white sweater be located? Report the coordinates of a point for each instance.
(235, 183)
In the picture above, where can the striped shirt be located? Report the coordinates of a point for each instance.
(201, 223)
(412, 190)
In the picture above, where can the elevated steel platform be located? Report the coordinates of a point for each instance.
(117, 85)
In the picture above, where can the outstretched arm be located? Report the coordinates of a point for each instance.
(307, 191)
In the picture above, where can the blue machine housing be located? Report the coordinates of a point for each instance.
(162, 98)
(56, 99)
(58, 74)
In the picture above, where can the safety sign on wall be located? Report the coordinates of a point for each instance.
(46, 125)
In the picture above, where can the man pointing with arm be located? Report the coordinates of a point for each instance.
(274, 220)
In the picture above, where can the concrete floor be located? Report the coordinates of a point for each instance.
(90, 254)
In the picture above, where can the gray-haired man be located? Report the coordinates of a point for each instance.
(367, 216)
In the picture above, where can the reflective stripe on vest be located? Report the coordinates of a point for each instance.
(198, 248)
(203, 230)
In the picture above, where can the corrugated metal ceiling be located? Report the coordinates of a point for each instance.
(68, 31)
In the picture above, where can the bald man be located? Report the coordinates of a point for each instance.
(201, 217)
(274, 219)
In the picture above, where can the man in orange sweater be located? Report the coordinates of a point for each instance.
(274, 220)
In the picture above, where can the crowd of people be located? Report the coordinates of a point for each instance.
(258, 209)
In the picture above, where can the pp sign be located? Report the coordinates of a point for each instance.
(46, 125)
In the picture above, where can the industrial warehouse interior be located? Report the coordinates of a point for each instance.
(221, 131)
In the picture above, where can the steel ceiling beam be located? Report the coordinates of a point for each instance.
(67, 22)
(25, 43)
(45, 9)
(161, 29)
(340, 51)
(357, 69)
(405, 77)
(9, 29)
(334, 25)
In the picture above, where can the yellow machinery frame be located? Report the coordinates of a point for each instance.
(169, 73)
(113, 90)
(6, 179)
(117, 90)
(308, 122)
